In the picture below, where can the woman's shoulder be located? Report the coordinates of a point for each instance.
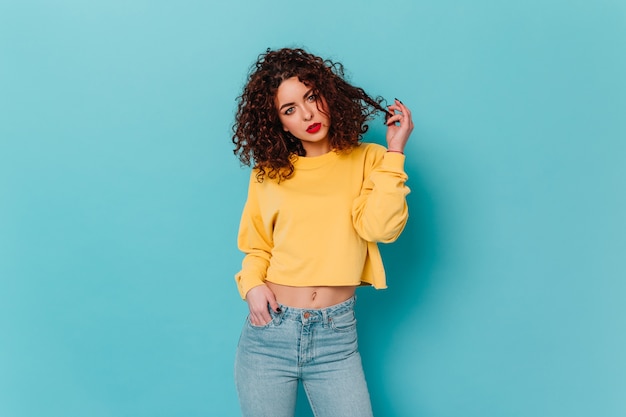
(368, 151)
(371, 147)
(262, 177)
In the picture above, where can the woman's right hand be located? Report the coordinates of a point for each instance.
(398, 134)
(258, 299)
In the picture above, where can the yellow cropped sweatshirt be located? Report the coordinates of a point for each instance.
(320, 227)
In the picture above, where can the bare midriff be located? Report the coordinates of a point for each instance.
(310, 297)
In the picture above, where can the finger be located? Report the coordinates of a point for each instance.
(390, 112)
(270, 302)
(408, 116)
(401, 105)
(260, 319)
(274, 305)
(395, 119)
(264, 319)
(398, 106)
(253, 319)
(257, 311)
(405, 118)
(394, 108)
(406, 111)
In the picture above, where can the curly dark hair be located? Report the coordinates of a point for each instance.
(257, 132)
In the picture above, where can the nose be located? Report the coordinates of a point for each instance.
(308, 113)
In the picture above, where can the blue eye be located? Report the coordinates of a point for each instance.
(290, 110)
(312, 97)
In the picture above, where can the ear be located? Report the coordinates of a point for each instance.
(285, 129)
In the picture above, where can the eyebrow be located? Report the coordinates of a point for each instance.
(291, 104)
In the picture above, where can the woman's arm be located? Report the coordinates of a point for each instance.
(255, 240)
(380, 212)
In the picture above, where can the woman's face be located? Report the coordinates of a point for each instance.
(299, 114)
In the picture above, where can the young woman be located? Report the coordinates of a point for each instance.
(318, 201)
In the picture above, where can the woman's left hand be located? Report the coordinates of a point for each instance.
(399, 126)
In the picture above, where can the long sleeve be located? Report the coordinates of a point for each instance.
(380, 212)
(255, 240)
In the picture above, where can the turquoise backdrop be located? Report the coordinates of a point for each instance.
(120, 200)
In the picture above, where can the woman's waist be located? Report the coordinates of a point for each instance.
(311, 297)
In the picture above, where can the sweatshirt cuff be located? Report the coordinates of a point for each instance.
(246, 284)
(393, 161)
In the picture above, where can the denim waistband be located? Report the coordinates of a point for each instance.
(309, 315)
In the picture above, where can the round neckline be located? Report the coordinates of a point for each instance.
(313, 162)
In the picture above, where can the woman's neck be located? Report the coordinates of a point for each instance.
(316, 149)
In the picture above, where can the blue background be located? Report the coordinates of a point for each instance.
(120, 200)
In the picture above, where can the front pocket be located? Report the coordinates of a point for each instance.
(273, 322)
(343, 323)
(265, 326)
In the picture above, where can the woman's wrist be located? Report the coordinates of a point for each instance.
(395, 151)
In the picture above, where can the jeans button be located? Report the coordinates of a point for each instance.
(306, 315)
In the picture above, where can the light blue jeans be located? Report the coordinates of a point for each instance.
(317, 347)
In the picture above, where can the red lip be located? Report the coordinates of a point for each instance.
(314, 128)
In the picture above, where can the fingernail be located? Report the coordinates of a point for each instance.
(399, 100)
(278, 310)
